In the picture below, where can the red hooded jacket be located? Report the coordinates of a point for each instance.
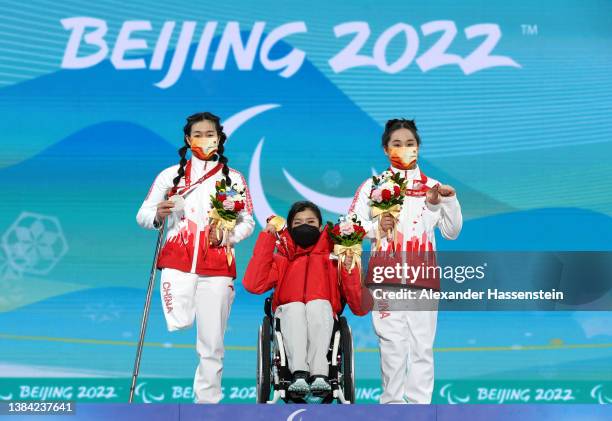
(303, 275)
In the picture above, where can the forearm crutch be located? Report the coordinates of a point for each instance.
(145, 313)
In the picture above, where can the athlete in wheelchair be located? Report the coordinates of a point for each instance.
(305, 347)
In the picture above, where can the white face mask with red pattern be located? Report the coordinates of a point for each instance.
(403, 157)
(204, 148)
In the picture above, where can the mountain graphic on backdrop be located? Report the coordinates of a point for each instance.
(316, 128)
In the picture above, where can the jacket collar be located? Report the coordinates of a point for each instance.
(198, 167)
(412, 174)
(292, 250)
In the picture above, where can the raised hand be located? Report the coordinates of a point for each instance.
(439, 190)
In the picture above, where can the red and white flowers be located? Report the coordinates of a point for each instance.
(387, 197)
(347, 235)
(348, 231)
(387, 190)
(227, 202)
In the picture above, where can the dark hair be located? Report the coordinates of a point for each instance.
(302, 206)
(399, 123)
(191, 120)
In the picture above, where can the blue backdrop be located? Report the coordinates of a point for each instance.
(512, 100)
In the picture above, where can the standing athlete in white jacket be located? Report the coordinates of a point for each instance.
(197, 282)
(406, 337)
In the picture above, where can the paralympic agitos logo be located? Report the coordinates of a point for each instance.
(131, 41)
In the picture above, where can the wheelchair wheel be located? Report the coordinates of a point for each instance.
(264, 372)
(347, 367)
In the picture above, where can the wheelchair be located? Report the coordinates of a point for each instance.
(274, 376)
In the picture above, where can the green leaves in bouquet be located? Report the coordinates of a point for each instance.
(399, 180)
(390, 203)
(349, 240)
(229, 215)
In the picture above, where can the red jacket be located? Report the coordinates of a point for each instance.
(303, 275)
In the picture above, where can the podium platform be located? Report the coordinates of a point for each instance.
(225, 412)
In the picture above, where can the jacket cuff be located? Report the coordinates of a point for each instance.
(444, 201)
(431, 207)
(266, 240)
(449, 202)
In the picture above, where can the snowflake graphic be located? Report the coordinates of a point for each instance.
(332, 179)
(34, 243)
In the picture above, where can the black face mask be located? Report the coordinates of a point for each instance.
(305, 235)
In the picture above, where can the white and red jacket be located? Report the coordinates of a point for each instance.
(186, 248)
(417, 220)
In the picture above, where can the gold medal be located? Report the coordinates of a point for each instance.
(278, 222)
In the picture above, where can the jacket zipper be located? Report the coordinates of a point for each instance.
(402, 251)
(196, 242)
(305, 278)
(196, 246)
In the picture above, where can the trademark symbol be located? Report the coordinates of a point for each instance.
(529, 30)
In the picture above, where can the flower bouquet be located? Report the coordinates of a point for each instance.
(227, 202)
(387, 197)
(347, 236)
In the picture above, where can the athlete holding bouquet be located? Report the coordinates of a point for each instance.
(207, 209)
(400, 209)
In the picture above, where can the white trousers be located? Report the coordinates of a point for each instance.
(405, 339)
(208, 300)
(306, 330)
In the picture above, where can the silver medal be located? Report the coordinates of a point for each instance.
(179, 203)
